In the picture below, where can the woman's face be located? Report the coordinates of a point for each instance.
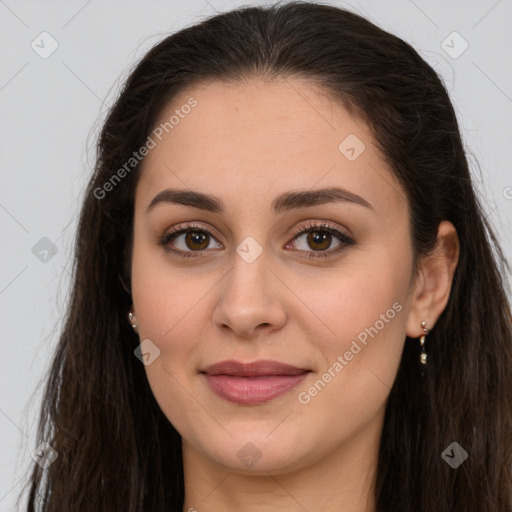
(242, 286)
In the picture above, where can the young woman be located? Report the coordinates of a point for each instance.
(285, 294)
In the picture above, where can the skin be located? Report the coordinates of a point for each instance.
(246, 144)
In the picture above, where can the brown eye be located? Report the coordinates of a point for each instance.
(197, 240)
(186, 240)
(190, 241)
(319, 240)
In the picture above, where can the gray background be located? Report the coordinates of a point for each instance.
(51, 110)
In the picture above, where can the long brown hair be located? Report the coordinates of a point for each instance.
(116, 449)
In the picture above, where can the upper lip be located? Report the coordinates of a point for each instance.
(254, 369)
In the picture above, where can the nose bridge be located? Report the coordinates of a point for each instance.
(247, 278)
(246, 299)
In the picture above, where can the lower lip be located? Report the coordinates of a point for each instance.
(253, 390)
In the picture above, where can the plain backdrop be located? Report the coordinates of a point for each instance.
(51, 109)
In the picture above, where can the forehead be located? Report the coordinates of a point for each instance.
(259, 137)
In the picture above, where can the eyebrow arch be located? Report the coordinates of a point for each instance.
(284, 202)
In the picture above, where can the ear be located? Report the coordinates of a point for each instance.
(434, 281)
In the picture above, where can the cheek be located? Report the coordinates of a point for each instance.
(172, 316)
(163, 293)
(169, 314)
(361, 294)
(365, 311)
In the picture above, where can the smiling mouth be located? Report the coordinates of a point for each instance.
(252, 383)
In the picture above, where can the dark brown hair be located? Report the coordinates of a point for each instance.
(116, 449)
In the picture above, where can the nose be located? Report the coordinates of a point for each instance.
(251, 299)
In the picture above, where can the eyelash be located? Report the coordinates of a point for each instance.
(313, 226)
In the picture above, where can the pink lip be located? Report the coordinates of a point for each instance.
(252, 383)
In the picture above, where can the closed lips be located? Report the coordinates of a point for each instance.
(254, 369)
(252, 383)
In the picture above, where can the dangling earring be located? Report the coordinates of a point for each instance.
(131, 320)
(423, 355)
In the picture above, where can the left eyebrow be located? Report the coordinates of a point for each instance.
(284, 202)
(302, 199)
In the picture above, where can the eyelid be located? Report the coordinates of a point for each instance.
(320, 225)
(185, 226)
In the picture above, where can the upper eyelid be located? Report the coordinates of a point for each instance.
(184, 227)
(319, 224)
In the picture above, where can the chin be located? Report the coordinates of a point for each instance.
(258, 453)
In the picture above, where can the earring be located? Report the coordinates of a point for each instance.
(131, 317)
(423, 355)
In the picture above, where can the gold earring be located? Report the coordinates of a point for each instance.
(423, 355)
(131, 317)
